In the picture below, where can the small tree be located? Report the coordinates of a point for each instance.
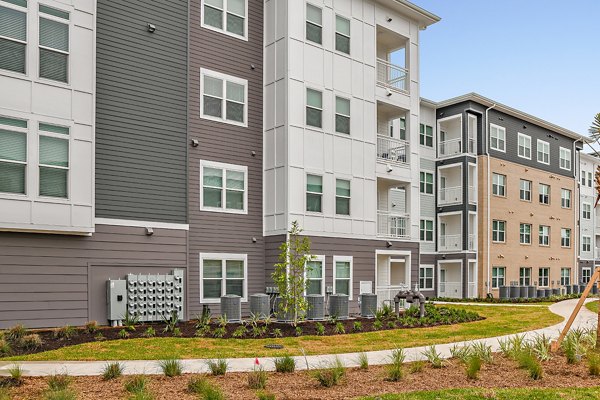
(290, 273)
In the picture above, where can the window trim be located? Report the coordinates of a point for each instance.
(224, 20)
(336, 97)
(521, 234)
(343, 197)
(524, 191)
(540, 185)
(503, 269)
(562, 198)
(426, 267)
(586, 275)
(498, 186)
(351, 283)
(545, 276)
(425, 172)
(336, 32)
(306, 192)
(320, 258)
(224, 167)
(306, 107)
(26, 42)
(223, 257)
(306, 22)
(69, 23)
(425, 220)
(565, 238)
(522, 277)
(225, 78)
(500, 129)
(27, 162)
(423, 134)
(537, 151)
(69, 140)
(525, 137)
(541, 236)
(568, 276)
(503, 231)
(583, 238)
(561, 159)
(583, 211)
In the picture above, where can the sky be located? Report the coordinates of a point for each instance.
(539, 56)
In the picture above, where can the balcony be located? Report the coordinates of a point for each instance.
(472, 242)
(393, 225)
(450, 243)
(450, 195)
(472, 195)
(450, 147)
(472, 290)
(386, 294)
(450, 289)
(391, 150)
(392, 76)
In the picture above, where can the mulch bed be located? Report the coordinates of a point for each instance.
(503, 373)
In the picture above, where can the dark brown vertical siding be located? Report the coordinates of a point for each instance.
(45, 279)
(221, 232)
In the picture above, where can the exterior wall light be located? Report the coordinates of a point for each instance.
(151, 28)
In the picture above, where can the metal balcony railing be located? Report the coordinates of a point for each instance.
(392, 150)
(450, 243)
(472, 195)
(392, 76)
(392, 225)
(450, 147)
(450, 195)
(472, 242)
(450, 289)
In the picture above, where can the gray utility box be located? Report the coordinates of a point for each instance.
(338, 306)
(316, 307)
(260, 305)
(231, 307)
(368, 305)
(116, 300)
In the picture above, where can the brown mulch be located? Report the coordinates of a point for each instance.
(503, 373)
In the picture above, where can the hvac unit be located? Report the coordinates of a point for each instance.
(514, 292)
(316, 307)
(541, 293)
(338, 306)
(368, 305)
(594, 289)
(556, 291)
(280, 314)
(259, 305)
(531, 292)
(524, 292)
(504, 292)
(231, 307)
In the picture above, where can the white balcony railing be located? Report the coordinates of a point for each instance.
(450, 289)
(472, 144)
(386, 294)
(450, 243)
(472, 195)
(392, 76)
(393, 225)
(450, 195)
(472, 242)
(450, 147)
(392, 150)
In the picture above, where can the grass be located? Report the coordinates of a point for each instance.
(112, 371)
(500, 320)
(171, 367)
(496, 394)
(592, 306)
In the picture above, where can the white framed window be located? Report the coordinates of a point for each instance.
(314, 24)
(525, 190)
(13, 155)
(544, 277)
(586, 211)
(498, 277)
(525, 233)
(586, 243)
(524, 146)
(565, 198)
(342, 275)
(525, 276)
(425, 135)
(224, 187)
(426, 277)
(342, 115)
(582, 178)
(13, 36)
(226, 16)
(565, 159)
(224, 98)
(426, 230)
(544, 235)
(53, 161)
(544, 193)
(314, 193)
(565, 276)
(499, 185)
(426, 182)
(589, 175)
(497, 138)
(342, 197)
(222, 274)
(498, 231)
(314, 108)
(342, 34)
(565, 237)
(586, 275)
(315, 275)
(53, 44)
(543, 152)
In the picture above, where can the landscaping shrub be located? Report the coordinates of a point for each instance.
(495, 300)
(66, 332)
(149, 332)
(331, 375)
(320, 329)
(196, 384)
(4, 393)
(416, 367)
(130, 321)
(377, 325)
(286, 364)
(391, 324)
(363, 361)
(276, 333)
(513, 346)
(91, 327)
(540, 346)
(257, 379)
(357, 326)
(171, 367)
(59, 382)
(263, 396)
(112, 370)
(572, 346)
(434, 358)
(16, 332)
(483, 352)
(298, 331)
(461, 353)
(202, 387)
(239, 332)
(123, 334)
(136, 384)
(339, 328)
(473, 366)
(219, 332)
(64, 394)
(177, 332)
(528, 361)
(5, 349)
(143, 395)
(395, 371)
(217, 367)
(99, 336)
(31, 342)
(16, 375)
(594, 363)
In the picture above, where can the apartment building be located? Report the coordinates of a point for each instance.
(589, 227)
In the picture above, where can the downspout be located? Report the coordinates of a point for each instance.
(488, 229)
(576, 214)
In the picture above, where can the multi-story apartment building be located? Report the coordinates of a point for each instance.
(589, 226)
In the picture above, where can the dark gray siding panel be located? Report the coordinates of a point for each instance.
(52, 280)
(141, 108)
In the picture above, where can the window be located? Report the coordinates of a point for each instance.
(227, 16)
(314, 108)
(498, 231)
(586, 243)
(54, 160)
(342, 34)
(565, 276)
(499, 185)
(589, 175)
(315, 275)
(402, 129)
(586, 211)
(314, 193)
(497, 137)
(426, 230)
(222, 274)
(565, 158)
(524, 146)
(425, 135)
(543, 152)
(425, 277)
(13, 35)
(224, 98)
(544, 235)
(54, 44)
(544, 193)
(586, 275)
(342, 115)
(582, 178)
(426, 184)
(525, 276)
(342, 197)
(342, 276)
(544, 277)
(224, 187)
(314, 24)
(565, 237)
(565, 198)
(498, 274)
(13, 155)
(525, 233)
(525, 190)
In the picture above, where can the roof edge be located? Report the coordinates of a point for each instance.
(424, 17)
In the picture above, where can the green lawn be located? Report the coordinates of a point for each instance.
(498, 394)
(499, 320)
(592, 306)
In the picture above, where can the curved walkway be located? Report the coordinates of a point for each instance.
(585, 319)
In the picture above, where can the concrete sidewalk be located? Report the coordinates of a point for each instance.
(585, 319)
